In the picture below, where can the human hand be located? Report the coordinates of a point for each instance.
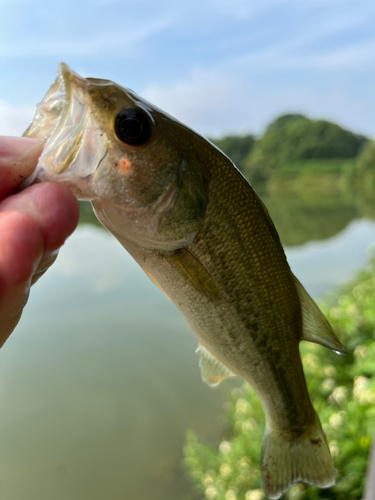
(34, 223)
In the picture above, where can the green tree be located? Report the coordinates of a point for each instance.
(364, 171)
(292, 138)
(236, 147)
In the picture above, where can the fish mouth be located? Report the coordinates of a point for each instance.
(74, 145)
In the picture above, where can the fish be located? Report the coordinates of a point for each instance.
(199, 231)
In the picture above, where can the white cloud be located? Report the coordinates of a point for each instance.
(359, 56)
(14, 119)
(301, 52)
(326, 41)
(214, 103)
(352, 57)
(205, 101)
(111, 44)
(243, 9)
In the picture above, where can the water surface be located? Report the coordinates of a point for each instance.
(100, 380)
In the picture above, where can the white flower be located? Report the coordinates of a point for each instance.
(226, 470)
(230, 495)
(254, 495)
(225, 447)
(211, 492)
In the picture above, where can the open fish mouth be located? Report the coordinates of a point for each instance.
(74, 144)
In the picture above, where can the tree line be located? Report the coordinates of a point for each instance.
(294, 139)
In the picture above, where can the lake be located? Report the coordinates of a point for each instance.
(100, 381)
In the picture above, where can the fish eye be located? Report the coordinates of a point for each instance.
(133, 126)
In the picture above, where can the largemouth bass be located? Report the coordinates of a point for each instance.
(199, 231)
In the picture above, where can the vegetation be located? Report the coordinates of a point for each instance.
(236, 147)
(364, 170)
(294, 139)
(296, 146)
(342, 389)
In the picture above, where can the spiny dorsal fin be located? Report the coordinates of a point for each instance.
(212, 370)
(315, 328)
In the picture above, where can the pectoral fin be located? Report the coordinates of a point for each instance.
(212, 370)
(193, 271)
(315, 328)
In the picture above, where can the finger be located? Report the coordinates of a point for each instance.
(45, 263)
(53, 208)
(21, 250)
(18, 159)
(33, 225)
(21, 247)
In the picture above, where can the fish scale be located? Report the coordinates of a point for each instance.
(245, 264)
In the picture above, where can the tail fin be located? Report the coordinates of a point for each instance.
(285, 460)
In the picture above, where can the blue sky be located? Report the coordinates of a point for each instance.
(220, 66)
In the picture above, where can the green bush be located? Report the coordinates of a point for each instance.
(342, 389)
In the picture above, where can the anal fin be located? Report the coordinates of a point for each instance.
(212, 370)
(315, 328)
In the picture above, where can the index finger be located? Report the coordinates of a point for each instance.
(18, 159)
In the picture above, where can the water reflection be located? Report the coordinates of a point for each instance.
(322, 265)
(302, 219)
(100, 381)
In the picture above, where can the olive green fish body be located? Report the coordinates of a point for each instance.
(246, 310)
(235, 289)
(202, 235)
(261, 312)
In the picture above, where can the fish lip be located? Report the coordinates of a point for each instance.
(63, 75)
(38, 128)
(73, 144)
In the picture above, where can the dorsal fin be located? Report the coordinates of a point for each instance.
(315, 328)
(212, 370)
